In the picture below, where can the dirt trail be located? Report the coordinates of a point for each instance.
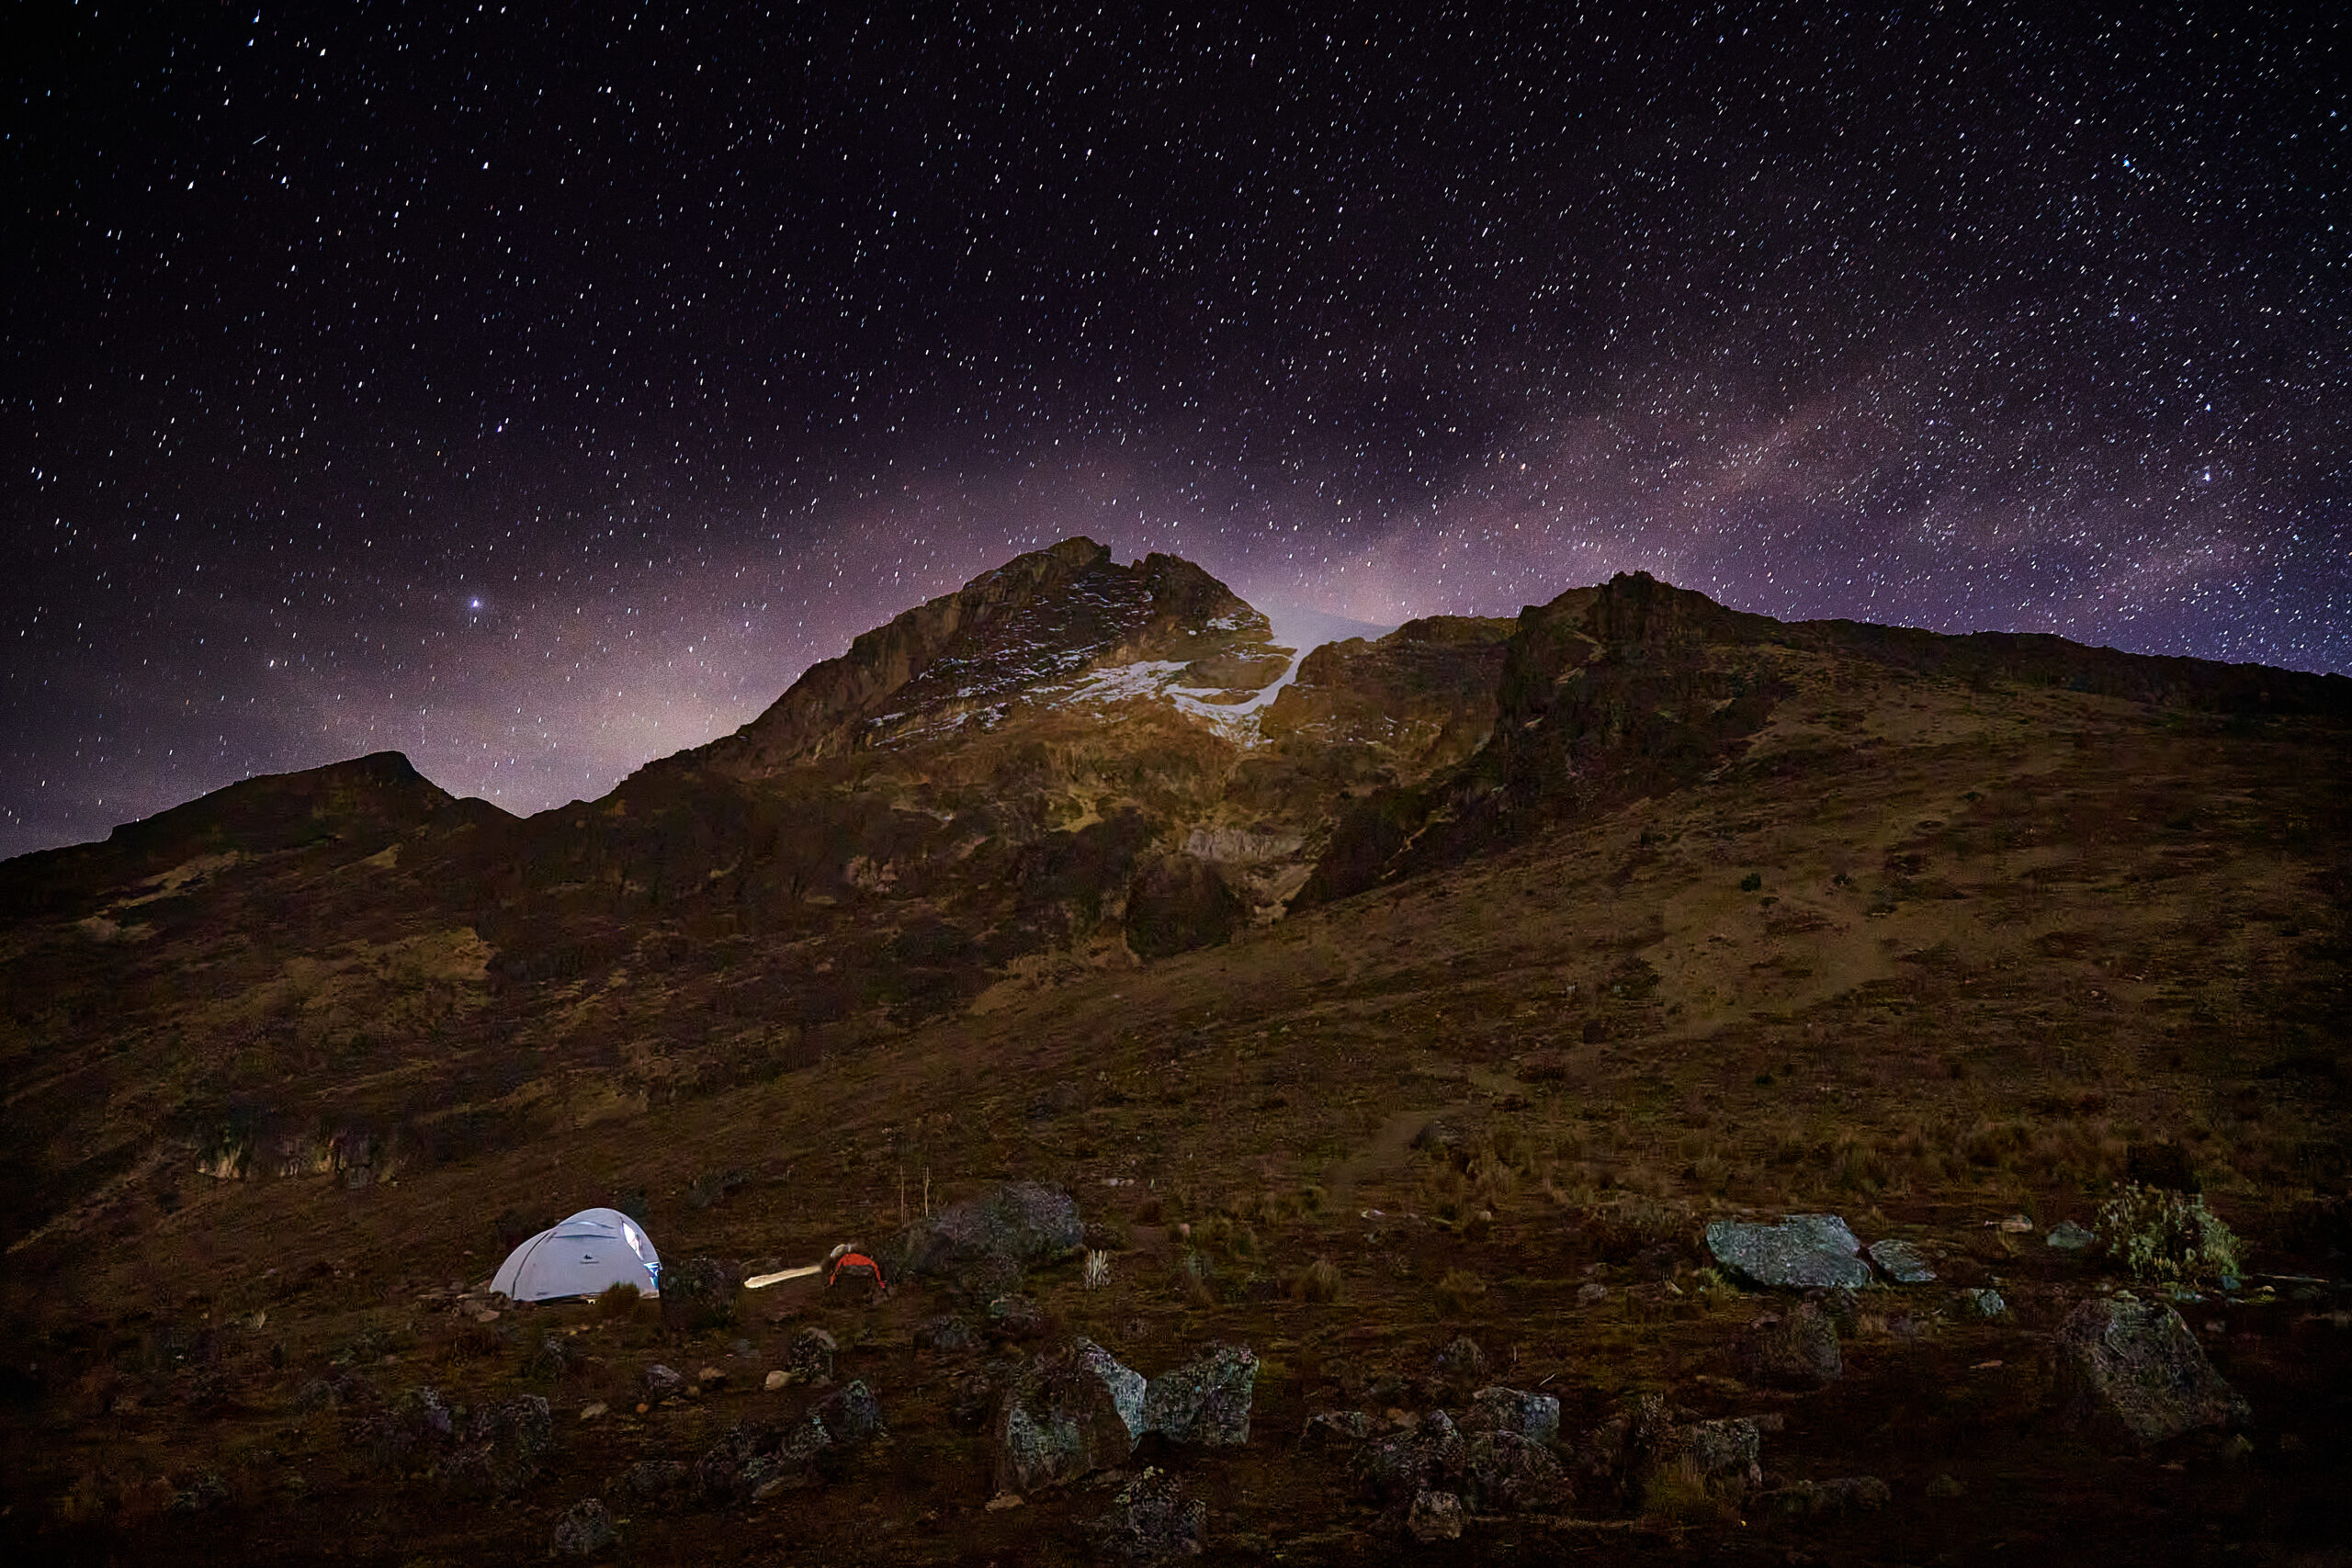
(1387, 1150)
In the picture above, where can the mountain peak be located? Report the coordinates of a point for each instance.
(1045, 620)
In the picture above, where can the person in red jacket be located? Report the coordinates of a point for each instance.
(856, 1262)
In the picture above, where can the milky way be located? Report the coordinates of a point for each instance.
(538, 397)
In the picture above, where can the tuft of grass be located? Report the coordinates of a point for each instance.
(618, 1301)
(1319, 1281)
(1459, 1291)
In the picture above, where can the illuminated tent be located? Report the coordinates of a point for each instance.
(594, 1249)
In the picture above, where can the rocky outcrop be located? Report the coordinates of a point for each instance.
(2132, 1369)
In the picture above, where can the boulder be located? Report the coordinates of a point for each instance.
(1397, 1469)
(1535, 1416)
(1153, 1520)
(1723, 1454)
(506, 1446)
(696, 1294)
(583, 1529)
(1205, 1401)
(945, 1332)
(850, 1415)
(1018, 1222)
(810, 1358)
(718, 1475)
(1061, 1418)
(661, 1382)
(1902, 1262)
(1801, 1252)
(413, 1429)
(1796, 1347)
(2133, 1368)
(1503, 1472)
(1434, 1517)
(655, 1477)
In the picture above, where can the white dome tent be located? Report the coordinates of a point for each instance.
(592, 1250)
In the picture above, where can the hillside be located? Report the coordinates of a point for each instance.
(1482, 963)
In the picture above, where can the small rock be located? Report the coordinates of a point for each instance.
(810, 1357)
(1461, 1362)
(1800, 1252)
(2016, 1224)
(585, 1529)
(1945, 1487)
(1901, 1262)
(851, 1415)
(1983, 1301)
(1205, 1401)
(1435, 1516)
(776, 1380)
(1794, 1348)
(590, 1412)
(1004, 1500)
(1329, 1427)
(660, 1383)
(1503, 1472)
(2068, 1236)
(1016, 1317)
(1592, 1292)
(710, 1375)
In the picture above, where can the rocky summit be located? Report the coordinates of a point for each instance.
(1109, 1084)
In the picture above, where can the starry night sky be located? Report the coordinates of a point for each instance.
(538, 389)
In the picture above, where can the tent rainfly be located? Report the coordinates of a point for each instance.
(594, 1249)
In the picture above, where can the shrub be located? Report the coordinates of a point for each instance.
(1751, 882)
(618, 1299)
(1458, 1291)
(2162, 1236)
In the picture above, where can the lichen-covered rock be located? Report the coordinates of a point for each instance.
(2134, 1368)
(412, 1428)
(1018, 1222)
(1060, 1419)
(1800, 1252)
(1795, 1348)
(583, 1529)
(1983, 1301)
(1153, 1520)
(718, 1475)
(1502, 1472)
(1434, 1517)
(1902, 1262)
(851, 1415)
(506, 1446)
(810, 1358)
(655, 1477)
(1724, 1454)
(1205, 1401)
(946, 1332)
(1535, 1416)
